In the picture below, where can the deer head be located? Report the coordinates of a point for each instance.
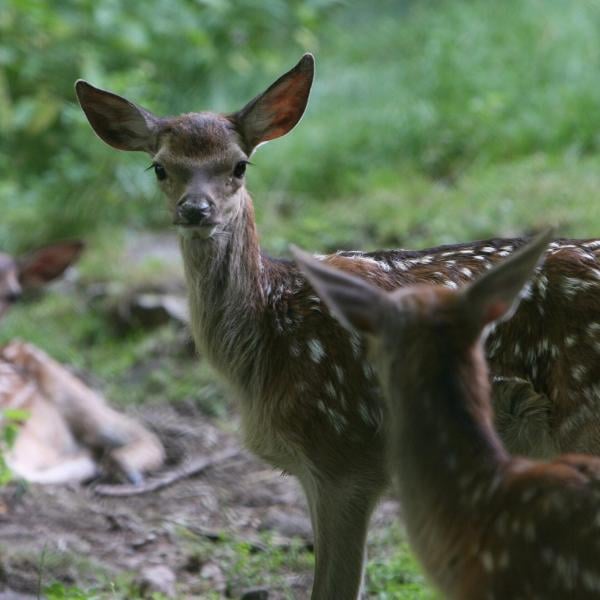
(200, 158)
(34, 270)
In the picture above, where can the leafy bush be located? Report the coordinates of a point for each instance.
(426, 87)
(56, 179)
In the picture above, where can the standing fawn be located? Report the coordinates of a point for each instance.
(310, 403)
(484, 524)
(68, 424)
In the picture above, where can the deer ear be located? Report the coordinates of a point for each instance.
(47, 263)
(495, 295)
(115, 120)
(276, 111)
(353, 301)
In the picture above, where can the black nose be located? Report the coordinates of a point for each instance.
(193, 210)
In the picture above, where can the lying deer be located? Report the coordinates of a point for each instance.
(483, 523)
(310, 403)
(68, 424)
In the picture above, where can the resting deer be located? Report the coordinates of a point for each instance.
(310, 403)
(483, 523)
(68, 424)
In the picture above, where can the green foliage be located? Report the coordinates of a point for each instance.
(57, 591)
(56, 179)
(11, 420)
(439, 88)
(411, 89)
(397, 578)
(393, 573)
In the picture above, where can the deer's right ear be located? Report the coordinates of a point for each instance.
(276, 111)
(354, 302)
(45, 264)
(495, 295)
(117, 121)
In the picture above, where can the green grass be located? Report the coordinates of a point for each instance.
(440, 88)
(392, 571)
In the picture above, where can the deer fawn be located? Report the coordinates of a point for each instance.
(484, 524)
(310, 403)
(68, 423)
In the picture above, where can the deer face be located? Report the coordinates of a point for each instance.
(200, 165)
(200, 158)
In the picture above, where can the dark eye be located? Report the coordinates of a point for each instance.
(240, 169)
(160, 172)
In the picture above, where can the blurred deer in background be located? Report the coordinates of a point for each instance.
(310, 403)
(484, 524)
(68, 425)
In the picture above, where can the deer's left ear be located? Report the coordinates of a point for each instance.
(276, 111)
(45, 264)
(354, 302)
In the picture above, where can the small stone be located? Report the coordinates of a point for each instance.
(213, 573)
(158, 579)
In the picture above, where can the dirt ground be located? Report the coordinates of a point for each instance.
(177, 539)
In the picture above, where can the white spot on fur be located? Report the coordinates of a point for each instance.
(365, 413)
(573, 285)
(356, 343)
(488, 561)
(400, 265)
(317, 352)
(330, 389)
(578, 372)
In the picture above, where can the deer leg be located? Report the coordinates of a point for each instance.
(523, 417)
(340, 517)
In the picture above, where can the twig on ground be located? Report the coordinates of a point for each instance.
(188, 469)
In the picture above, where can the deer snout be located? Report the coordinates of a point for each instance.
(194, 210)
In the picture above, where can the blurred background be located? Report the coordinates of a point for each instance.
(430, 122)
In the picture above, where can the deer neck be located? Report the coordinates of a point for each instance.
(225, 285)
(446, 454)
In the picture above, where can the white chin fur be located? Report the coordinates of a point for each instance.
(193, 233)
